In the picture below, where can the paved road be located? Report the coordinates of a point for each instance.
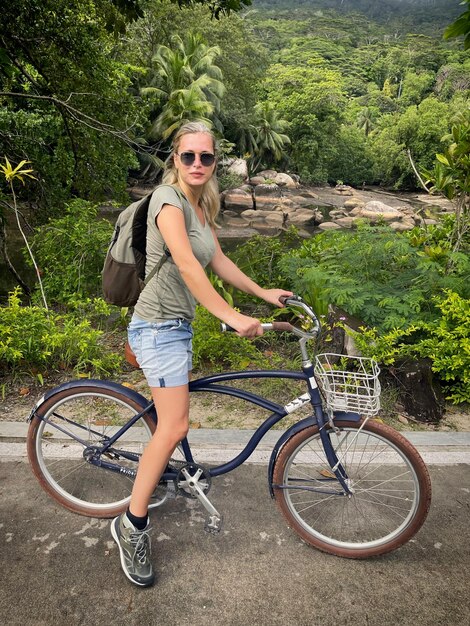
(60, 568)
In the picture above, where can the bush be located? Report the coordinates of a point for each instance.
(445, 341)
(386, 279)
(33, 338)
(70, 252)
(259, 258)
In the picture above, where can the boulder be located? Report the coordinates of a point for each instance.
(237, 199)
(338, 213)
(376, 210)
(239, 167)
(276, 218)
(266, 189)
(257, 180)
(248, 213)
(345, 222)
(299, 200)
(301, 217)
(268, 174)
(267, 196)
(284, 180)
(329, 226)
(344, 190)
(402, 226)
(352, 203)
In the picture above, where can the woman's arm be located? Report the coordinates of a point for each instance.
(173, 230)
(232, 274)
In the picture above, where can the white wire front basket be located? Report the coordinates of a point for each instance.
(349, 383)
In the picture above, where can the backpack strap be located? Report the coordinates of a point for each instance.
(166, 253)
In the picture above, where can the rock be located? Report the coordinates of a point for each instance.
(356, 211)
(429, 222)
(276, 218)
(230, 214)
(267, 189)
(344, 190)
(338, 213)
(301, 217)
(329, 226)
(248, 213)
(353, 203)
(257, 180)
(267, 196)
(235, 221)
(238, 199)
(297, 199)
(239, 167)
(268, 174)
(284, 180)
(376, 210)
(400, 227)
(246, 188)
(345, 222)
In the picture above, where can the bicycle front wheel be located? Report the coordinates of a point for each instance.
(65, 426)
(390, 485)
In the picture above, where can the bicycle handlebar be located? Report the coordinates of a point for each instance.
(294, 301)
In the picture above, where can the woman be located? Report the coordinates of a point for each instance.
(183, 224)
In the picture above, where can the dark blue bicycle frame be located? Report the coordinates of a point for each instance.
(214, 384)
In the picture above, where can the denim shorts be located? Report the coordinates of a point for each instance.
(163, 350)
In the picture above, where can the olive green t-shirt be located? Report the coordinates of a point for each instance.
(166, 295)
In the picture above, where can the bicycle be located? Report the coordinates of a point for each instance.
(345, 482)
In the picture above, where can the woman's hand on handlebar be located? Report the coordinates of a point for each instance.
(246, 326)
(272, 296)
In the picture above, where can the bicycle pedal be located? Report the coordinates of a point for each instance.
(213, 524)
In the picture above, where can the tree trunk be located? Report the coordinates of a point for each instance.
(418, 391)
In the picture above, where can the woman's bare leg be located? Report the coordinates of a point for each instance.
(172, 405)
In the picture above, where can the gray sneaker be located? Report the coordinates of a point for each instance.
(134, 547)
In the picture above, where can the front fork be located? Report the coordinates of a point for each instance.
(325, 427)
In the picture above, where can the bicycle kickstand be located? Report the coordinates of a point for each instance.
(214, 519)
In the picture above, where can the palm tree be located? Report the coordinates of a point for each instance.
(365, 120)
(186, 84)
(269, 136)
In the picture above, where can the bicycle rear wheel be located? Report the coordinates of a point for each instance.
(390, 483)
(78, 417)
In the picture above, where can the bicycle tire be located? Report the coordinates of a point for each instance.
(57, 458)
(392, 490)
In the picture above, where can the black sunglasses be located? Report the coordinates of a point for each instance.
(188, 158)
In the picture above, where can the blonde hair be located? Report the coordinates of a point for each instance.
(210, 199)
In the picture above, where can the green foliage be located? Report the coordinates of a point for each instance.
(451, 177)
(32, 338)
(229, 180)
(375, 274)
(259, 257)
(221, 350)
(186, 83)
(70, 251)
(445, 341)
(461, 27)
(67, 96)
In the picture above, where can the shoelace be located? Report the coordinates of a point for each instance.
(142, 543)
